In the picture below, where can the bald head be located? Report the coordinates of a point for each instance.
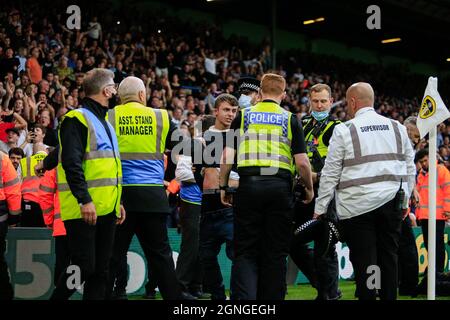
(132, 89)
(359, 95)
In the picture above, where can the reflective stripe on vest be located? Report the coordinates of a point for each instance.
(265, 137)
(47, 189)
(321, 147)
(142, 154)
(360, 159)
(30, 182)
(101, 167)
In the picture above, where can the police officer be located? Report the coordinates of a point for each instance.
(269, 139)
(248, 89)
(143, 134)
(89, 178)
(370, 165)
(318, 129)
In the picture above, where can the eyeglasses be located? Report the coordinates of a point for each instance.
(114, 85)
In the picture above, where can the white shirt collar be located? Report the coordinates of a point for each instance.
(363, 110)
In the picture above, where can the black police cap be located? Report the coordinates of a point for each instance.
(251, 84)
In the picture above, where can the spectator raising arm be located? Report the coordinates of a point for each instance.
(19, 121)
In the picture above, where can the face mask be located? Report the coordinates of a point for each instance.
(245, 101)
(320, 115)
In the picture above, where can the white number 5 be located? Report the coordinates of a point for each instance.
(41, 273)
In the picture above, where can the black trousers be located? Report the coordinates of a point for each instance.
(121, 277)
(90, 249)
(189, 269)
(150, 286)
(321, 272)
(62, 257)
(408, 262)
(262, 234)
(6, 290)
(151, 231)
(373, 240)
(31, 216)
(440, 244)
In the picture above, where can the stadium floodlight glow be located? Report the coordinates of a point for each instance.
(311, 21)
(391, 40)
(448, 59)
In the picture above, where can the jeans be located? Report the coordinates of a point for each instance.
(216, 228)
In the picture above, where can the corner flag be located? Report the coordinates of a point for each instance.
(432, 112)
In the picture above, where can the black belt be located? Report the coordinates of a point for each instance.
(211, 191)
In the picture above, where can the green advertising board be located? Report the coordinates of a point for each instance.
(31, 259)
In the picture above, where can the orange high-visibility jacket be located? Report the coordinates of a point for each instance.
(9, 188)
(49, 202)
(442, 193)
(30, 182)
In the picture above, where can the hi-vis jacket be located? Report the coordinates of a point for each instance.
(141, 134)
(367, 158)
(442, 193)
(30, 181)
(49, 203)
(10, 194)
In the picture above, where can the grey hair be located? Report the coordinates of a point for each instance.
(129, 89)
(95, 80)
(410, 120)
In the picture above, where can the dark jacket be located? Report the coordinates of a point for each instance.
(73, 141)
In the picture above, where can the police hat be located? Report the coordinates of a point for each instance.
(323, 232)
(250, 84)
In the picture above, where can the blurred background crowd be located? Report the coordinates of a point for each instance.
(184, 66)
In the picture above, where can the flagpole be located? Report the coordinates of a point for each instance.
(432, 215)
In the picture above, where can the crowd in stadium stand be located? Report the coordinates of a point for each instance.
(184, 67)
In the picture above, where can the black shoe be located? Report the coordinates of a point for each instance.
(338, 295)
(122, 295)
(187, 296)
(323, 297)
(151, 295)
(200, 294)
